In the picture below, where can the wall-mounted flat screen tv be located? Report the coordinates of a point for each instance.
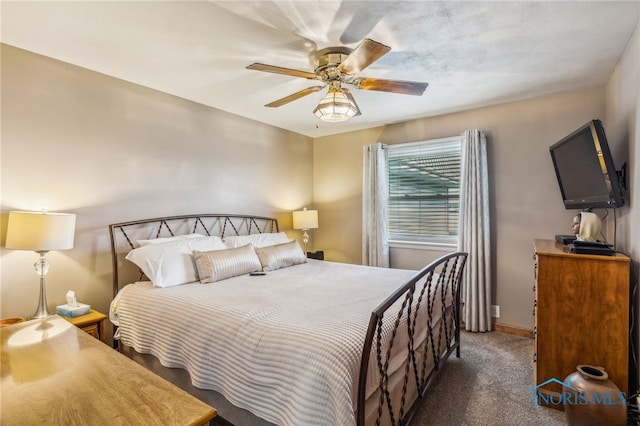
(585, 171)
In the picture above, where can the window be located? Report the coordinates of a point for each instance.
(424, 191)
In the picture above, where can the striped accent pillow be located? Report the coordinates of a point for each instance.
(222, 264)
(280, 256)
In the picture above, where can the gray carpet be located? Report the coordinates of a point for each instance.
(490, 384)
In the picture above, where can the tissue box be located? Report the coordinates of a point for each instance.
(73, 311)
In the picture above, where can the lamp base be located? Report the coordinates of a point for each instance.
(305, 239)
(39, 316)
(42, 267)
(42, 311)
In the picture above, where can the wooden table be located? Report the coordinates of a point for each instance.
(54, 373)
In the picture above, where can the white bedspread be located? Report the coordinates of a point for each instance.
(285, 346)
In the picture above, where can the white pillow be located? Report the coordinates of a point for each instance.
(171, 263)
(281, 256)
(143, 243)
(257, 240)
(221, 264)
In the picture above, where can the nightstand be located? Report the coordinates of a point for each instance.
(92, 323)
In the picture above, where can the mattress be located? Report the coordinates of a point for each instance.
(285, 346)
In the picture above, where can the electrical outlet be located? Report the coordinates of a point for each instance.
(495, 311)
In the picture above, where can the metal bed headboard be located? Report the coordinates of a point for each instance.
(124, 235)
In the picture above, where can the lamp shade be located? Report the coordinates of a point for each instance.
(335, 106)
(39, 231)
(305, 219)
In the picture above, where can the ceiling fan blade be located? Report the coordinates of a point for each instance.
(395, 86)
(293, 97)
(364, 55)
(348, 94)
(281, 70)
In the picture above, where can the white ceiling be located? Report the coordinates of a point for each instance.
(472, 54)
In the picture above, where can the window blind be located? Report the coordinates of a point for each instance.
(424, 191)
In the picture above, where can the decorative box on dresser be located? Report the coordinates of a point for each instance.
(581, 313)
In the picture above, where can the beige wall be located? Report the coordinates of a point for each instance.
(623, 132)
(623, 128)
(81, 142)
(525, 199)
(337, 193)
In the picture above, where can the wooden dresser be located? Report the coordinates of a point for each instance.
(581, 314)
(55, 373)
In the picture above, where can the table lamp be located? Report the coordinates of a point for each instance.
(305, 220)
(40, 232)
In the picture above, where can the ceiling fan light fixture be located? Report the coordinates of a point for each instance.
(336, 65)
(335, 106)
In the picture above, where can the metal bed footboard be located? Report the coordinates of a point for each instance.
(435, 286)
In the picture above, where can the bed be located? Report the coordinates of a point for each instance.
(308, 342)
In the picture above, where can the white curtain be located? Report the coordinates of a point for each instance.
(474, 232)
(375, 193)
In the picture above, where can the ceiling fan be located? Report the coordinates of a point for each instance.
(335, 66)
